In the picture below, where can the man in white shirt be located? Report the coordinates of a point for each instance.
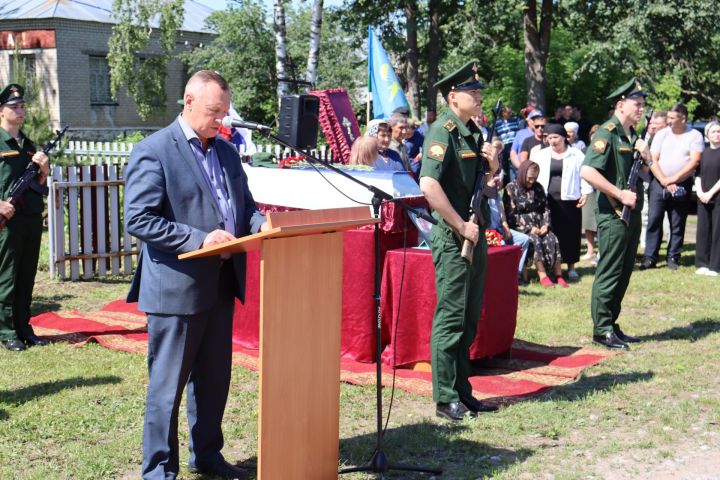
(676, 152)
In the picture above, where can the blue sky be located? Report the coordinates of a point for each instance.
(220, 4)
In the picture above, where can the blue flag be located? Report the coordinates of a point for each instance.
(387, 94)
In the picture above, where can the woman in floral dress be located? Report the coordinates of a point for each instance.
(527, 211)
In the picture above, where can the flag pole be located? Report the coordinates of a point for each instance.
(369, 77)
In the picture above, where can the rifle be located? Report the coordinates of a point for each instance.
(634, 178)
(479, 189)
(27, 179)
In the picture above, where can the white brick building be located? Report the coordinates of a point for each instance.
(64, 45)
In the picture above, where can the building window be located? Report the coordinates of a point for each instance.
(100, 81)
(23, 70)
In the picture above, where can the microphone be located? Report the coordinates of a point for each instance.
(230, 122)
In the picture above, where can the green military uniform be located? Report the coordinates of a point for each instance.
(19, 240)
(611, 153)
(451, 156)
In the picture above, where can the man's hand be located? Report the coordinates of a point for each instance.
(581, 202)
(490, 155)
(470, 231)
(642, 147)
(217, 236)
(671, 187)
(42, 161)
(628, 198)
(7, 209)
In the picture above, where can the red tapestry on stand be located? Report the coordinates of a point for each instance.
(338, 122)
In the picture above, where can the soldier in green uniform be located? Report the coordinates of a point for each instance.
(20, 239)
(607, 167)
(450, 164)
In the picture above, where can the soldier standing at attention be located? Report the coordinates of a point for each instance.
(20, 239)
(450, 163)
(607, 167)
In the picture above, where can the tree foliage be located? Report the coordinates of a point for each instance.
(133, 61)
(243, 52)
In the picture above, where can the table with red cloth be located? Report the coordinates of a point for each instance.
(407, 332)
(358, 304)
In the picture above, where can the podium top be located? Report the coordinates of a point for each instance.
(292, 224)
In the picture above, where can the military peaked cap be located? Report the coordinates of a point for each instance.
(464, 78)
(631, 89)
(12, 94)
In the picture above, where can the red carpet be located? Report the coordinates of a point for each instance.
(532, 368)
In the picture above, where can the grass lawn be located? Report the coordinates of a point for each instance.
(654, 412)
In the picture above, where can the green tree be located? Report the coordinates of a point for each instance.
(37, 124)
(243, 52)
(143, 73)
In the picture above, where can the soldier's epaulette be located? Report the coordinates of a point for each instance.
(609, 126)
(449, 126)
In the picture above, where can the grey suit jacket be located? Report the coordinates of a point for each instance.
(170, 208)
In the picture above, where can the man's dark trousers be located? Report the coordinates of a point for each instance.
(19, 252)
(618, 244)
(677, 213)
(177, 346)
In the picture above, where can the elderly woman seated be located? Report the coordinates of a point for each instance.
(386, 159)
(527, 211)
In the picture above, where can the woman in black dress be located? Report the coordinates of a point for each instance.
(707, 186)
(566, 192)
(527, 211)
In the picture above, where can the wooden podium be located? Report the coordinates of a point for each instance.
(300, 323)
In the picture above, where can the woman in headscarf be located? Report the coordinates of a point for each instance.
(527, 211)
(560, 177)
(387, 159)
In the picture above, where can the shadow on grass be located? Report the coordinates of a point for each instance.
(692, 332)
(32, 392)
(432, 445)
(587, 386)
(48, 303)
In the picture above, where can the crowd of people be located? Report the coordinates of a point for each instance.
(548, 182)
(558, 146)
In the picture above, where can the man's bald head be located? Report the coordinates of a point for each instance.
(207, 101)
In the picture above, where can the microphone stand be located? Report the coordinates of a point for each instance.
(379, 462)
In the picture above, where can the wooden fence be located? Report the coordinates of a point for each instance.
(85, 212)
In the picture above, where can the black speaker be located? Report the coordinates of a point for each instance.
(299, 120)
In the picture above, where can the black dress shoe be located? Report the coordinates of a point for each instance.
(611, 341)
(454, 411)
(476, 406)
(14, 345)
(222, 469)
(647, 264)
(673, 263)
(625, 338)
(33, 340)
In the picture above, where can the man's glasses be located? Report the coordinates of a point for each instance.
(537, 127)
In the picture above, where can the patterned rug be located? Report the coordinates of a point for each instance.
(529, 370)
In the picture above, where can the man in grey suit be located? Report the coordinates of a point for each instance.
(186, 189)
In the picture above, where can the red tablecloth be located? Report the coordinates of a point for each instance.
(411, 342)
(358, 324)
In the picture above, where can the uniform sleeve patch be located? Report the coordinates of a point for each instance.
(599, 146)
(436, 151)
